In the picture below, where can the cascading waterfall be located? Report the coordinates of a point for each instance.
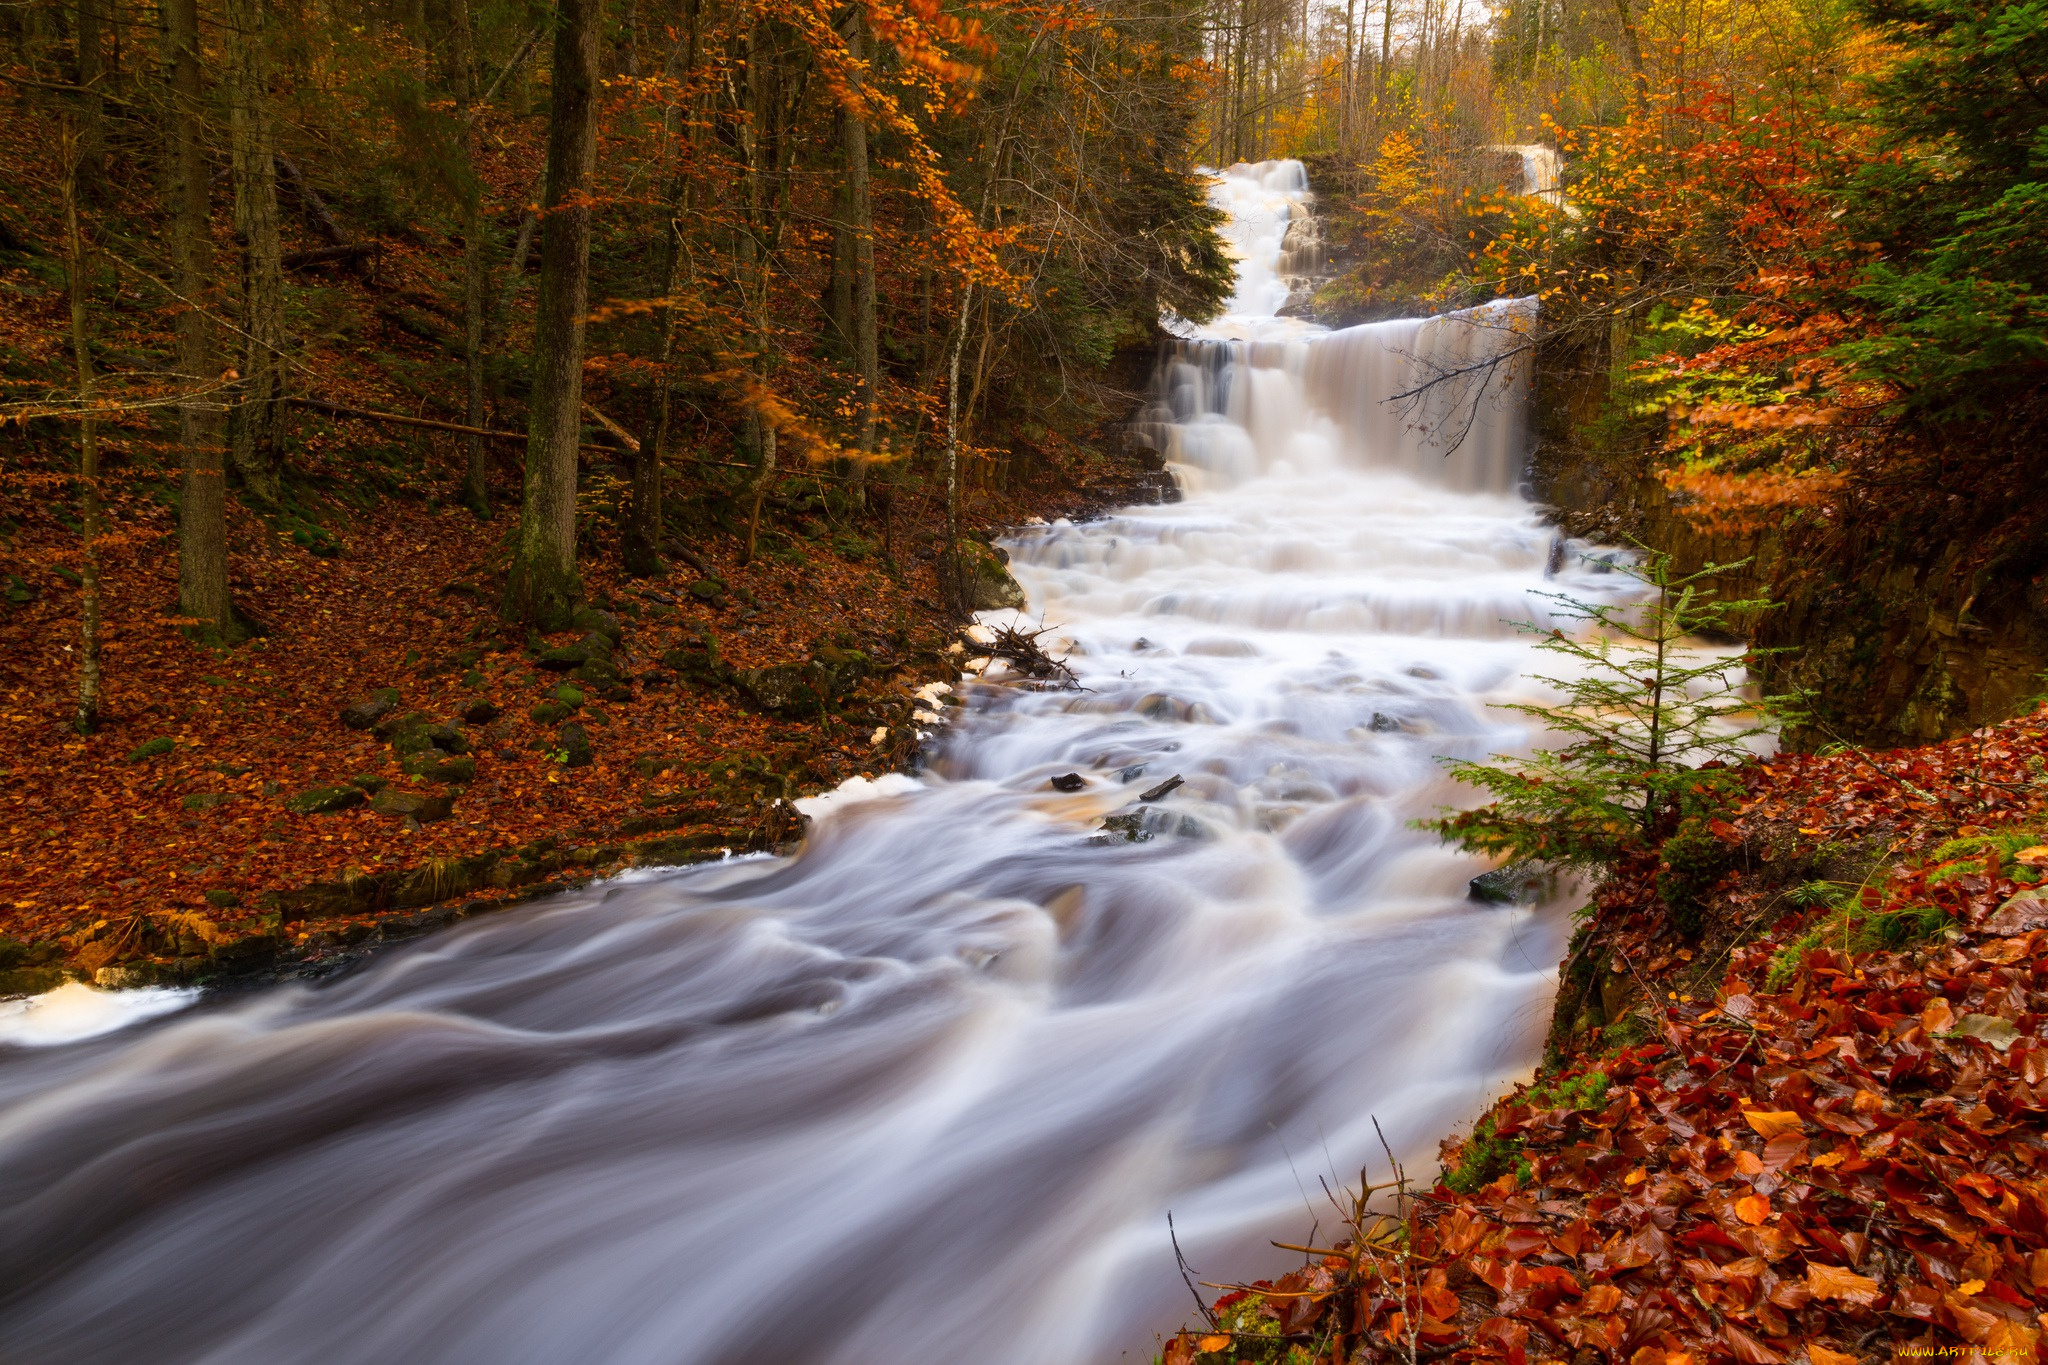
(927, 1090)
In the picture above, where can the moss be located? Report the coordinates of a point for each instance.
(150, 748)
(1486, 1156)
(1856, 928)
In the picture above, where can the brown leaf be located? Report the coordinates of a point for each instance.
(1817, 1354)
(1770, 1123)
(1747, 1348)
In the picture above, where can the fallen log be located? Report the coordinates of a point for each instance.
(327, 255)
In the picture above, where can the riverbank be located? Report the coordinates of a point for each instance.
(1815, 1127)
(387, 758)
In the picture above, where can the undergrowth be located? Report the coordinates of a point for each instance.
(1861, 919)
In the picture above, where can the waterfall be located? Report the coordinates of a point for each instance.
(927, 1090)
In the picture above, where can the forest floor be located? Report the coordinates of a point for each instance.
(1816, 1127)
(193, 830)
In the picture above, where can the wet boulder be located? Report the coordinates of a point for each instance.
(1522, 883)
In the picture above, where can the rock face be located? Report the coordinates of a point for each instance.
(365, 714)
(978, 579)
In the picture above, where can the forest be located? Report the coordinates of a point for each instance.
(465, 460)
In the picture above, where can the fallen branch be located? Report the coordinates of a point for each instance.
(326, 255)
(626, 438)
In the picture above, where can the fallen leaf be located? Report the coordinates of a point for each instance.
(1937, 1017)
(1769, 1123)
(1218, 1342)
(1753, 1209)
(1821, 1355)
(2028, 910)
(1835, 1282)
(1988, 1028)
(1747, 1348)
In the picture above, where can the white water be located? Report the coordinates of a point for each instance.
(925, 1092)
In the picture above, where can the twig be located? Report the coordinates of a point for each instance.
(1186, 1275)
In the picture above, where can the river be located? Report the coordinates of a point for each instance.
(927, 1090)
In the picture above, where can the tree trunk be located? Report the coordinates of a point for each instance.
(953, 415)
(1350, 74)
(543, 585)
(476, 268)
(202, 508)
(86, 719)
(1386, 55)
(92, 80)
(258, 412)
(640, 539)
(640, 542)
(865, 343)
(753, 256)
(1632, 47)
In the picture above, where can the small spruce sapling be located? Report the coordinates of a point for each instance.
(1645, 714)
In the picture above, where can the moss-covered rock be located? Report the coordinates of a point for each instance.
(364, 714)
(977, 578)
(418, 806)
(151, 748)
(572, 742)
(324, 800)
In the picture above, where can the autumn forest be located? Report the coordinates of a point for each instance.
(1034, 680)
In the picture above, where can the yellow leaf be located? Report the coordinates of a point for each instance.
(2037, 856)
(1834, 1282)
(1218, 1342)
(1827, 1159)
(1753, 1209)
(1821, 1355)
(1749, 1163)
(1634, 1177)
(1969, 1287)
(1770, 1123)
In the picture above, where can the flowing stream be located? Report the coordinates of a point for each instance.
(926, 1091)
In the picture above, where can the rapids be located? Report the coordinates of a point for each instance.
(926, 1091)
